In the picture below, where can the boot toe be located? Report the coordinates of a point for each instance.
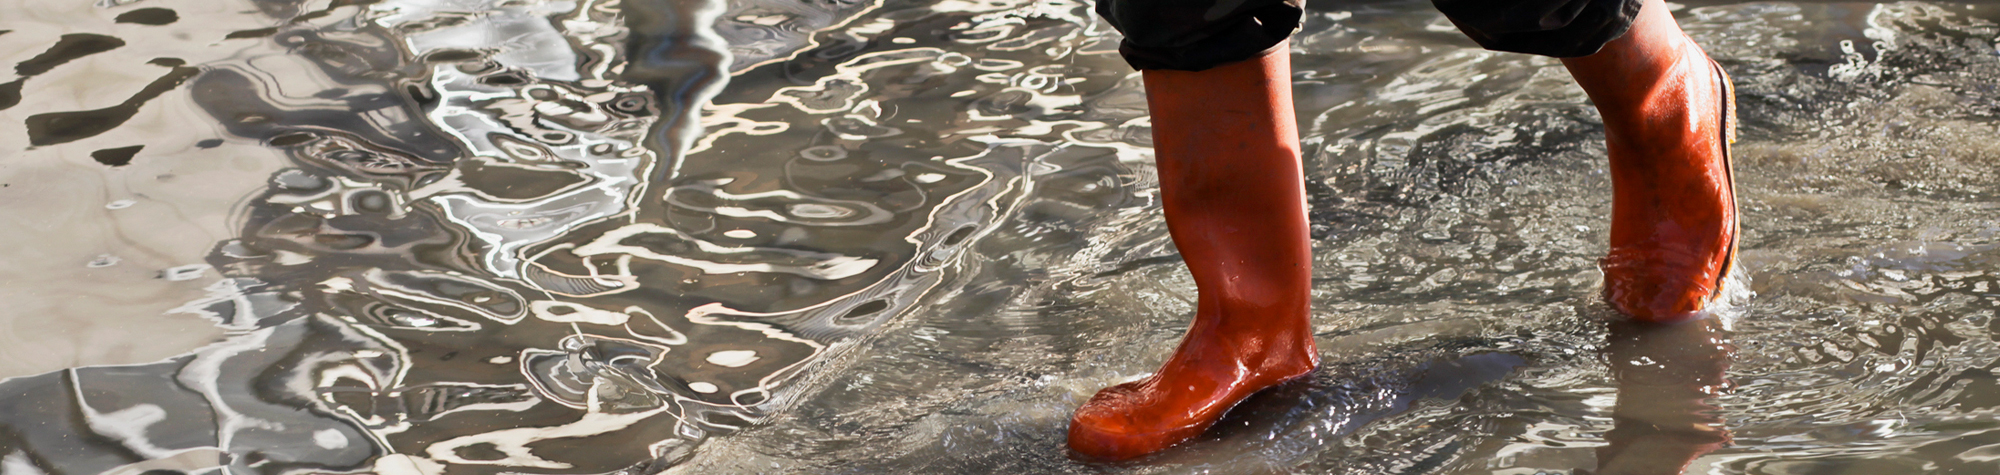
(1118, 424)
(1656, 290)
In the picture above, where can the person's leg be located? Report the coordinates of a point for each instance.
(1234, 194)
(1673, 219)
(1673, 222)
(1218, 83)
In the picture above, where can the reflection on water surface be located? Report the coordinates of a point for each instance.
(484, 236)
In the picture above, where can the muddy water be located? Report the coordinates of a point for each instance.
(470, 236)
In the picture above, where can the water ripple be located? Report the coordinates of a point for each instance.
(910, 237)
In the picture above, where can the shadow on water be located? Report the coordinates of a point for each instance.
(904, 236)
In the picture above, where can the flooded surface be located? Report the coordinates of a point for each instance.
(485, 236)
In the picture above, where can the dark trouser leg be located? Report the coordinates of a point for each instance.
(1559, 28)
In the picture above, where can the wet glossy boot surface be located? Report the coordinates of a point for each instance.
(1233, 192)
(1667, 119)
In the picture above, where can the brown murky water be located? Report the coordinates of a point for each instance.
(484, 236)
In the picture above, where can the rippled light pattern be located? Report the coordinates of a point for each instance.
(902, 236)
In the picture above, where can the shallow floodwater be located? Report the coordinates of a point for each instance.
(484, 236)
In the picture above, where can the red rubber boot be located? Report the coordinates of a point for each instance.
(1669, 115)
(1234, 193)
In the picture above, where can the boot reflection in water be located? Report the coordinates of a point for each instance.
(1666, 375)
(1217, 76)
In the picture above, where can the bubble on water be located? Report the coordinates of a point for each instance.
(824, 153)
(732, 358)
(819, 211)
(330, 439)
(568, 312)
(186, 272)
(103, 260)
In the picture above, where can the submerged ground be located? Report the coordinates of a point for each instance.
(431, 236)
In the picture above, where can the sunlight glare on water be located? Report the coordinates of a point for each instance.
(903, 236)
